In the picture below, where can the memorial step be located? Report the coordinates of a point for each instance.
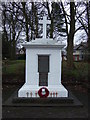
(43, 100)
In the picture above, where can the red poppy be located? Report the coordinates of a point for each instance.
(43, 92)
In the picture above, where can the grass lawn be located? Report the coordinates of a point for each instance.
(15, 70)
(18, 66)
(13, 67)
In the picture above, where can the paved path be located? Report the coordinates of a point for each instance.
(44, 112)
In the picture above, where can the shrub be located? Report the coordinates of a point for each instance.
(76, 75)
(21, 57)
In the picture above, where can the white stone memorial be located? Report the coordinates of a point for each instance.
(43, 67)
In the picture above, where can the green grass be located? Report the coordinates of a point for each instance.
(17, 67)
(78, 74)
(13, 67)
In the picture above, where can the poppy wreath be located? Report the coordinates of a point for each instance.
(40, 92)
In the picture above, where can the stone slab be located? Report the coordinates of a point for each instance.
(14, 101)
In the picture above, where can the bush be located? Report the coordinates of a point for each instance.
(76, 75)
(21, 57)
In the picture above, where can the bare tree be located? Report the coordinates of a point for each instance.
(70, 34)
(85, 21)
(26, 20)
(70, 20)
(34, 28)
(56, 17)
(11, 26)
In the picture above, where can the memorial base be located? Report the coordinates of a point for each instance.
(32, 91)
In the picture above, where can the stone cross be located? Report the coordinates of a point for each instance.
(44, 22)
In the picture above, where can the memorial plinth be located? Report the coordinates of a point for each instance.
(43, 68)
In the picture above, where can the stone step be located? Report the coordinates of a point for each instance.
(43, 100)
(70, 101)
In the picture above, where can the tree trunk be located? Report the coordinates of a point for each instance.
(36, 21)
(51, 32)
(88, 17)
(51, 17)
(12, 39)
(70, 37)
(13, 51)
(26, 21)
(70, 62)
(32, 30)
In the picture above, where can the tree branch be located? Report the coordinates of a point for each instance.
(78, 29)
